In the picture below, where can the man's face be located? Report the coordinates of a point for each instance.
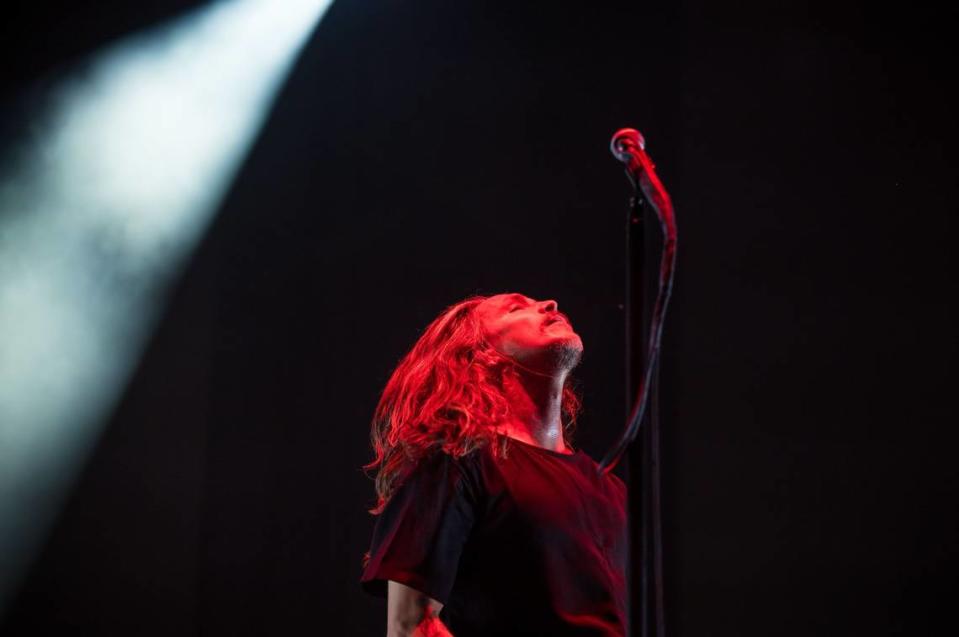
(533, 333)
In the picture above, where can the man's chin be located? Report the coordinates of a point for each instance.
(566, 354)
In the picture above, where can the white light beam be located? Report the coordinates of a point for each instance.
(99, 209)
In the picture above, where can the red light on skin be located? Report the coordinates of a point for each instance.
(484, 366)
(531, 332)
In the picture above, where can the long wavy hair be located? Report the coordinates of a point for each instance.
(447, 393)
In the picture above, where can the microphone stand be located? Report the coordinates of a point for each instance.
(645, 566)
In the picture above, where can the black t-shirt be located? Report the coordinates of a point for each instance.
(533, 543)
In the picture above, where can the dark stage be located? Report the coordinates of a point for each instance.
(415, 154)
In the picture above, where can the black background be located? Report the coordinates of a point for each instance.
(425, 151)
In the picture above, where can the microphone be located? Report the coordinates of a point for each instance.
(624, 141)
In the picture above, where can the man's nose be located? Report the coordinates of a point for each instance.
(547, 306)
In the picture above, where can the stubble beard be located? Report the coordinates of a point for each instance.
(565, 355)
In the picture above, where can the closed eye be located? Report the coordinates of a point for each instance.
(514, 308)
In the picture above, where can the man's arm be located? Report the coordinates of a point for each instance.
(410, 613)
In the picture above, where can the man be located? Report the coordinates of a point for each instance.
(490, 523)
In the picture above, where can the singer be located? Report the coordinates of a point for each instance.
(489, 522)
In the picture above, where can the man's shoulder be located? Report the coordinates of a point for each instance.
(470, 468)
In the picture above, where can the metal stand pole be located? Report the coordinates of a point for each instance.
(636, 458)
(644, 570)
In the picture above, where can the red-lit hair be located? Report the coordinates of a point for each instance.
(446, 393)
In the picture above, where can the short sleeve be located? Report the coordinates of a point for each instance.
(420, 535)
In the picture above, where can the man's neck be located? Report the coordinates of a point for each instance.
(536, 403)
